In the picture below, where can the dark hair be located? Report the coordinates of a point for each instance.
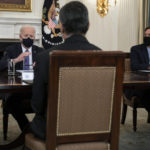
(74, 17)
(146, 28)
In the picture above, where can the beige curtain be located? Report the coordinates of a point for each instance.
(143, 18)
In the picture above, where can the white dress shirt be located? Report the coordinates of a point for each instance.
(30, 56)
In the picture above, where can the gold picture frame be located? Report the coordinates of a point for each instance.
(16, 5)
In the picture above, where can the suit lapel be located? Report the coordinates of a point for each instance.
(19, 51)
(33, 53)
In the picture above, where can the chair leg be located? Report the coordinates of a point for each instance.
(134, 119)
(148, 118)
(5, 123)
(124, 112)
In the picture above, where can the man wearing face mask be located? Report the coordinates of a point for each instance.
(14, 102)
(25, 48)
(140, 54)
(140, 60)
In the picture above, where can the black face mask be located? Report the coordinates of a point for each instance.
(147, 41)
(27, 42)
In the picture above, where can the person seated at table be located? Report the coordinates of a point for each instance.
(74, 23)
(18, 53)
(140, 60)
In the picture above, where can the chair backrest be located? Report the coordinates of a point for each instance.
(127, 62)
(85, 89)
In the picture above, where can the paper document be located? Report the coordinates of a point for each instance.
(26, 74)
(20, 71)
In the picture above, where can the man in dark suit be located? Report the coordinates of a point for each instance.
(74, 23)
(140, 54)
(140, 60)
(18, 52)
(14, 102)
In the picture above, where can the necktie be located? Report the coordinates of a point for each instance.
(26, 62)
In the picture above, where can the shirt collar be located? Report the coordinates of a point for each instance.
(24, 49)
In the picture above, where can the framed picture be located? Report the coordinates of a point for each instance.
(16, 5)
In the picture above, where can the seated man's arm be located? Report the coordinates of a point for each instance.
(3, 63)
(9, 54)
(21, 57)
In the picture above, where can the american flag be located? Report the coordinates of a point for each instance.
(51, 24)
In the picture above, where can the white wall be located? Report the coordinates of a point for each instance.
(128, 24)
(10, 22)
(116, 31)
(102, 31)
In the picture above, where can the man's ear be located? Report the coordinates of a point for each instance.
(20, 38)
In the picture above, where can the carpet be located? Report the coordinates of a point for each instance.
(129, 140)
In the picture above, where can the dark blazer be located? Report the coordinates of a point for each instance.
(139, 57)
(40, 86)
(14, 51)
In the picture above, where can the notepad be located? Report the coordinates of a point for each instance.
(26, 75)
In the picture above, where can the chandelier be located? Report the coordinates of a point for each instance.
(103, 6)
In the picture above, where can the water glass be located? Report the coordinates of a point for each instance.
(11, 67)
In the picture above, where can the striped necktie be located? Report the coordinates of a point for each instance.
(26, 62)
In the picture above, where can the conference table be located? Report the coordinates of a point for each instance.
(12, 84)
(136, 80)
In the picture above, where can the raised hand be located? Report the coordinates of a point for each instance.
(21, 57)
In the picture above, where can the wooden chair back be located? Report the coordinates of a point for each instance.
(85, 89)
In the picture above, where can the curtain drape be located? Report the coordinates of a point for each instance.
(143, 17)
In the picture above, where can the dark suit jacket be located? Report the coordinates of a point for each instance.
(139, 57)
(13, 52)
(40, 86)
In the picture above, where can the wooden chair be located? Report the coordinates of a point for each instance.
(134, 102)
(84, 101)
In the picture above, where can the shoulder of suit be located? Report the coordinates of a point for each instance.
(94, 47)
(136, 47)
(43, 53)
(13, 46)
(34, 47)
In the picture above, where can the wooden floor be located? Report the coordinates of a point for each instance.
(129, 140)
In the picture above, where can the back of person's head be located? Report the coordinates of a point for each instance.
(74, 18)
